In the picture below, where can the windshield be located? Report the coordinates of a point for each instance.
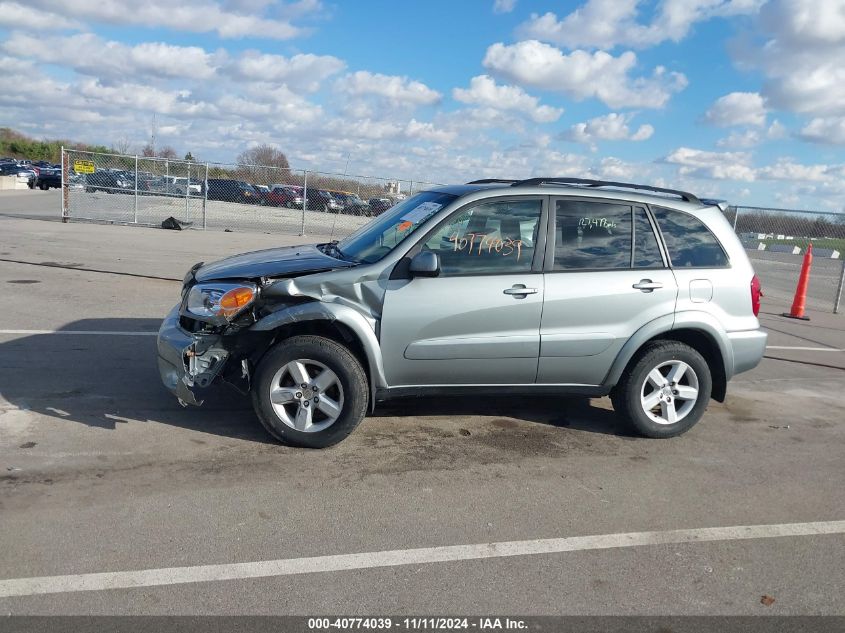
(377, 238)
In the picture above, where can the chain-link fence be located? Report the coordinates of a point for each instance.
(776, 241)
(139, 190)
(132, 189)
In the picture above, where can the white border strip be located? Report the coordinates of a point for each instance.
(392, 558)
(75, 332)
(806, 349)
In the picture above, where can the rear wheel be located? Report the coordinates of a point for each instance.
(665, 389)
(310, 391)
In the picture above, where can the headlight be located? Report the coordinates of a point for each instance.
(220, 301)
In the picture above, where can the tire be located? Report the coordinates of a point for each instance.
(43, 186)
(636, 389)
(316, 354)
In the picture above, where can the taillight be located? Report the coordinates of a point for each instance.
(756, 293)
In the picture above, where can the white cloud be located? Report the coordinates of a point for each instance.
(740, 140)
(198, 16)
(394, 88)
(483, 91)
(828, 130)
(717, 165)
(610, 168)
(610, 23)
(582, 75)
(23, 16)
(776, 131)
(303, 71)
(737, 108)
(503, 6)
(89, 54)
(800, 49)
(786, 169)
(610, 127)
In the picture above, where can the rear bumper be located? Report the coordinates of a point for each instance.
(748, 349)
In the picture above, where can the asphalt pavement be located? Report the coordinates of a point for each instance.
(102, 472)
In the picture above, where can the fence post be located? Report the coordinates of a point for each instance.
(188, 194)
(204, 195)
(839, 290)
(136, 190)
(64, 185)
(304, 202)
(736, 217)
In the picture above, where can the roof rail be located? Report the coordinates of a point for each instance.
(489, 181)
(530, 182)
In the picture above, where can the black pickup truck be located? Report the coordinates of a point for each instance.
(47, 179)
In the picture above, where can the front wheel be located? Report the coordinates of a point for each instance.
(310, 391)
(665, 391)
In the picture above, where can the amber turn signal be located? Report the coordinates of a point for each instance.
(236, 299)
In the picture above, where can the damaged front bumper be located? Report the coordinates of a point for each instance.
(188, 363)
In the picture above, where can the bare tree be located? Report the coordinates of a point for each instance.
(263, 165)
(167, 152)
(122, 146)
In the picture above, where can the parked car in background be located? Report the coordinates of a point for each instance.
(352, 204)
(380, 205)
(109, 182)
(285, 196)
(228, 190)
(23, 174)
(47, 179)
(263, 193)
(327, 202)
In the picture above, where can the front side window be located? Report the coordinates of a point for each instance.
(592, 235)
(688, 241)
(490, 238)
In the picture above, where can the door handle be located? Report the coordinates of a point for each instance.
(647, 285)
(519, 289)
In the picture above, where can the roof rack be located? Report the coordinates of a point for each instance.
(489, 181)
(530, 182)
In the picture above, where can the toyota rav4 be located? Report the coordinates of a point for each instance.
(547, 285)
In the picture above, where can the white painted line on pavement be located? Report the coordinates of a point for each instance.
(97, 332)
(391, 558)
(806, 349)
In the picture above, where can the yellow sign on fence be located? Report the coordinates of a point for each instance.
(83, 166)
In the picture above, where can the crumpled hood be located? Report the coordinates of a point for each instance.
(286, 261)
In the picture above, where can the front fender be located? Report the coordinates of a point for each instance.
(360, 326)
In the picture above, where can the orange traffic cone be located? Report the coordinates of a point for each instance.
(797, 311)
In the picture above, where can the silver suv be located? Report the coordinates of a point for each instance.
(549, 285)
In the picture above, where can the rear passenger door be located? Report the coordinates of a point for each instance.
(605, 277)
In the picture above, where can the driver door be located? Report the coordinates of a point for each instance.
(478, 322)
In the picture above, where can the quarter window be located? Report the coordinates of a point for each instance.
(689, 242)
(646, 249)
(491, 238)
(592, 235)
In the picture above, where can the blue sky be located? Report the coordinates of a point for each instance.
(741, 99)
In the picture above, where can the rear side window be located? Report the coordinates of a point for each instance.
(592, 235)
(689, 242)
(646, 250)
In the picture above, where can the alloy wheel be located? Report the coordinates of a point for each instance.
(306, 395)
(669, 392)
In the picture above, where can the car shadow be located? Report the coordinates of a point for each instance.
(103, 373)
(573, 412)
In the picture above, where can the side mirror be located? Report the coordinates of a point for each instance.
(425, 264)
